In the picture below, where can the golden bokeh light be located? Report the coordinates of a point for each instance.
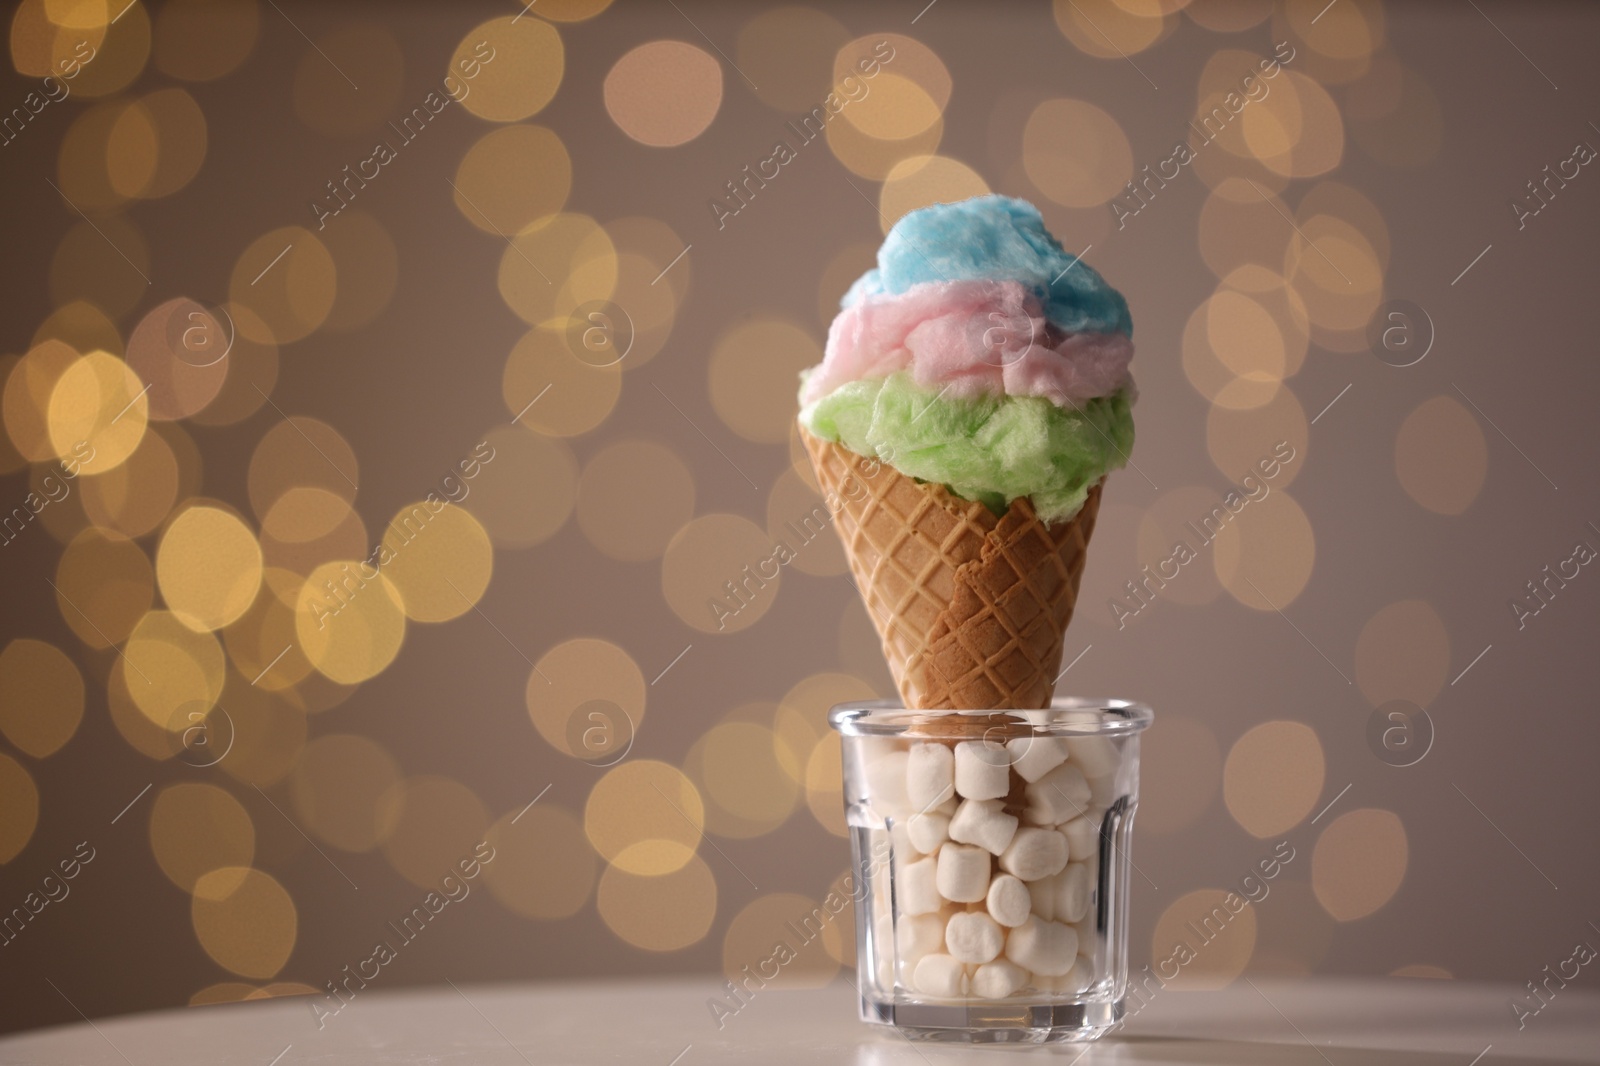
(1337, 271)
(1233, 352)
(196, 829)
(793, 48)
(1335, 48)
(1265, 560)
(133, 725)
(203, 40)
(645, 818)
(350, 620)
(173, 350)
(256, 735)
(222, 992)
(98, 412)
(156, 145)
(513, 177)
(894, 108)
(873, 158)
(658, 242)
(252, 365)
(208, 567)
(245, 920)
(1179, 940)
(908, 58)
(439, 560)
(41, 697)
(527, 490)
(262, 644)
(300, 452)
(801, 721)
(1359, 862)
(824, 787)
(307, 525)
(1228, 16)
(19, 807)
(175, 672)
(1076, 153)
(748, 779)
(1243, 224)
(648, 309)
(507, 68)
(770, 934)
(1113, 31)
(543, 867)
(1441, 456)
(1403, 653)
(572, 10)
(665, 913)
(555, 266)
(437, 823)
(367, 265)
(26, 403)
(1273, 777)
(595, 677)
(664, 93)
(43, 46)
(347, 84)
(554, 391)
(633, 496)
(720, 574)
(80, 269)
(287, 280)
(1248, 444)
(104, 586)
(797, 516)
(1165, 531)
(922, 181)
(1181, 770)
(120, 56)
(83, 163)
(755, 373)
(339, 788)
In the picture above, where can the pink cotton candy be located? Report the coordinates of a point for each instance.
(970, 337)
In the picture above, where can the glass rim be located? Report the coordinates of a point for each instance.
(1066, 716)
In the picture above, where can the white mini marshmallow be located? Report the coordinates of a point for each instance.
(974, 937)
(984, 823)
(918, 935)
(940, 976)
(930, 775)
(1088, 938)
(1009, 901)
(1071, 983)
(1034, 853)
(983, 770)
(1045, 948)
(963, 873)
(886, 783)
(1073, 892)
(1036, 756)
(1083, 838)
(928, 831)
(1042, 893)
(918, 890)
(1095, 756)
(999, 979)
(1059, 796)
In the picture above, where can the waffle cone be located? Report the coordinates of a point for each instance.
(971, 607)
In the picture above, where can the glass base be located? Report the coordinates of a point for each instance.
(997, 1022)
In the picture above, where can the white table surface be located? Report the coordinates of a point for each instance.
(1319, 1022)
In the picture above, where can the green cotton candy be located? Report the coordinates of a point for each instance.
(994, 449)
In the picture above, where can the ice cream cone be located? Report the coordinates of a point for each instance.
(971, 607)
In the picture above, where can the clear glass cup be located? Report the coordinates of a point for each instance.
(991, 866)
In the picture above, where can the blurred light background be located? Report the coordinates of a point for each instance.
(389, 392)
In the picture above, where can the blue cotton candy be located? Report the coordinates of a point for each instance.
(1000, 238)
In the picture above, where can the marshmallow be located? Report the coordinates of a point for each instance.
(963, 873)
(974, 937)
(1103, 790)
(1009, 901)
(1073, 890)
(984, 823)
(918, 892)
(1072, 983)
(1036, 756)
(1095, 756)
(983, 770)
(930, 775)
(915, 936)
(1059, 796)
(1088, 939)
(1046, 948)
(927, 831)
(939, 975)
(1042, 895)
(1033, 853)
(1083, 838)
(999, 979)
(886, 783)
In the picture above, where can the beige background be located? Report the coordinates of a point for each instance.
(1478, 861)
